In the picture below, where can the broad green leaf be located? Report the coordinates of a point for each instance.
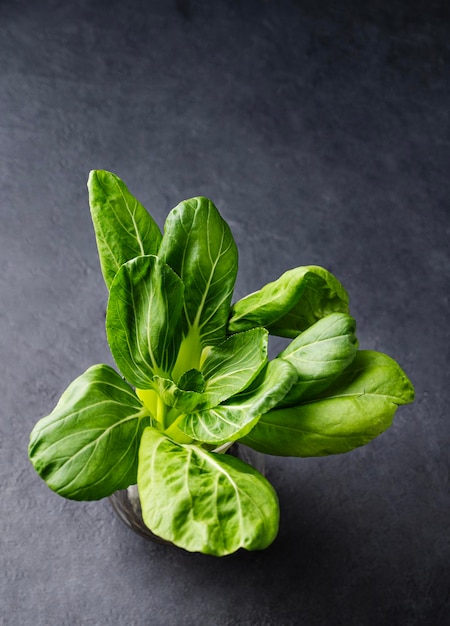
(290, 304)
(203, 501)
(320, 354)
(235, 417)
(358, 406)
(198, 244)
(144, 308)
(231, 366)
(123, 227)
(87, 448)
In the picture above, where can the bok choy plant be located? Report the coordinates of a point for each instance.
(195, 377)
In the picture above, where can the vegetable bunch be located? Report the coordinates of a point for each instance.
(196, 377)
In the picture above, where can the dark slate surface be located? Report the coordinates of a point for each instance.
(321, 131)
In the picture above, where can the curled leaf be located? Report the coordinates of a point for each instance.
(290, 304)
(319, 355)
(144, 308)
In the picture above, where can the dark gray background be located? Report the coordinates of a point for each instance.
(321, 131)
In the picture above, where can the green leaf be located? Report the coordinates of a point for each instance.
(175, 397)
(144, 308)
(320, 354)
(199, 246)
(192, 380)
(235, 417)
(292, 303)
(202, 501)
(123, 227)
(357, 407)
(231, 366)
(87, 448)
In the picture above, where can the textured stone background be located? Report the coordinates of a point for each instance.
(321, 131)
